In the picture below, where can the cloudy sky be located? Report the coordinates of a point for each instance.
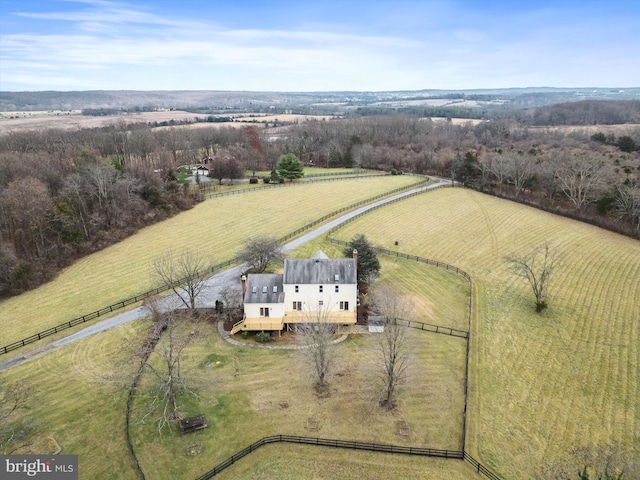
(309, 45)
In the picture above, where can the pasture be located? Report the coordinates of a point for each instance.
(541, 384)
(81, 393)
(216, 227)
(72, 119)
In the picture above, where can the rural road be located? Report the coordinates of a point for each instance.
(214, 285)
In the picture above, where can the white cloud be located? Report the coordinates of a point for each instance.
(105, 44)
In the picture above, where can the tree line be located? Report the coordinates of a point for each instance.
(593, 177)
(586, 112)
(64, 193)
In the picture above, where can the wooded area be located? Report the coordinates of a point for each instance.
(64, 193)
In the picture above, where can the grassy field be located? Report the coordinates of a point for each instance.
(541, 384)
(76, 401)
(213, 187)
(74, 119)
(294, 462)
(80, 400)
(216, 227)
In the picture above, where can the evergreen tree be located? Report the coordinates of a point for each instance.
(368, 263)
(289, 167)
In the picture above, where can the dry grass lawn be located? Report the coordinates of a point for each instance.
(216, 227)
(294, 462)
(68, 119)
(541, 384)
(274, 395)
(79, 401)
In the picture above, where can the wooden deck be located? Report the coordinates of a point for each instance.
(273, 323)
(333, 317)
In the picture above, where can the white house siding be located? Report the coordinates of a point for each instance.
(310, 297)
(277, 292)
(252, 310)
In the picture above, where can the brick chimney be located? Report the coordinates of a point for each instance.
(355, 257)
(244, 286)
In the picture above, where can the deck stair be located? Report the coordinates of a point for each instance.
(236, 327)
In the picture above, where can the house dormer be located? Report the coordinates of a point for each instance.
(308, 285)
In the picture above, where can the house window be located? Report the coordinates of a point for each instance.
(264, 311)
(264, 289)
(337, 288)
(275, 289)
(297, 306)
(344, 305)
(297, 289)
(336, 277)
(320, 288)
(254, 290)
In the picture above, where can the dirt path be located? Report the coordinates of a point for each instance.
(212, 290)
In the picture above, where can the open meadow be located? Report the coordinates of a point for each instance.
(80, 394)
(541, 384)
(73, 119)
(217, 227)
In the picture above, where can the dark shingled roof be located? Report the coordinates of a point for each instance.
(319, 272)
(264, 284)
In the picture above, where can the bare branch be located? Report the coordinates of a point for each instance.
(536, 267)
(184, 274)
(260, 251)
(394, 356)
(315, 337)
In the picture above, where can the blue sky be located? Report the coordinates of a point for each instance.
(309, 45)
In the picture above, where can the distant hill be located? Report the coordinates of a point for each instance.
(203, 101)
(587, 112)
(142, 100)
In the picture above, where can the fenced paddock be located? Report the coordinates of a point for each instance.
(350, 445)
(325, 442)
(386, 448)
(84, 318)
(528, 371)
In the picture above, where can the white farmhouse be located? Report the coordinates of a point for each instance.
(306, 289)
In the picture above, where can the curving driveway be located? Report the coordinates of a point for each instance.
(213, 285)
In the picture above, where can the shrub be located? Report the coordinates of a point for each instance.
(219, 306)
(245, 334)
(266, 179)
(394, 171)
(253, 180)
(263, 337)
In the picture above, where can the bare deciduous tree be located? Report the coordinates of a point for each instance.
(256, 156)
(24, 208)
(259, 251)
(578, 177)
(231, 297)
(545, 172)
(498, 166)
(8, 265)
(519, 171)
(627, 205)
(537, 268)
(161, 356)
(315, 337)
(394, 356)
(13, 397)
(185, 274)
